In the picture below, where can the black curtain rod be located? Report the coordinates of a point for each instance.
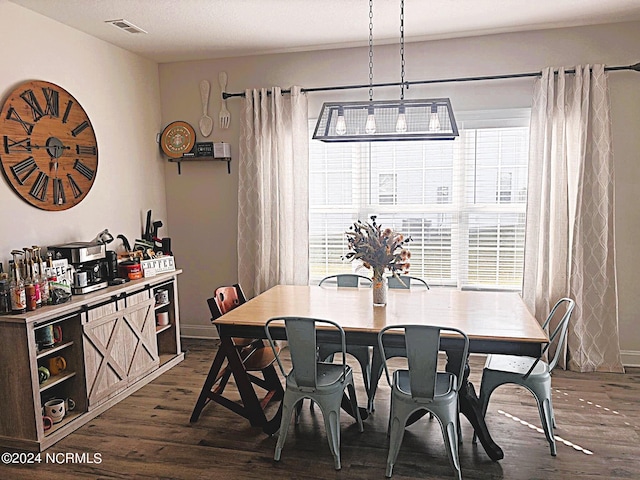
(635, 67)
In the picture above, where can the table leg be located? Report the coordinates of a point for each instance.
(470, 406)
(346, 406)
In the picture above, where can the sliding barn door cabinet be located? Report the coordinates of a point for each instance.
(107, 344)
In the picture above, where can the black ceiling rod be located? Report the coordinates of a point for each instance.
(635, 67)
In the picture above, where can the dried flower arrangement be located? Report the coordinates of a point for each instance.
(379, 249)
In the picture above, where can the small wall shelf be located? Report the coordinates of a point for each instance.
(179, 161)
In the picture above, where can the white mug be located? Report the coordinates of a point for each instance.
(162, 297)
(54, 409)
(162, 319)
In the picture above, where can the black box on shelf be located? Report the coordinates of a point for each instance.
(204, 149)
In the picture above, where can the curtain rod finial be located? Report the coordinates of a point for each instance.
(635, 67)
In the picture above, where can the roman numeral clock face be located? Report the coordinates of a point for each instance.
(49, 152)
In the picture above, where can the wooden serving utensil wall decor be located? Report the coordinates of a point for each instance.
(206, 122)
(225, 116)
(49, 152)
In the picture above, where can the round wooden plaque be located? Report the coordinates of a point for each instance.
(177, 139)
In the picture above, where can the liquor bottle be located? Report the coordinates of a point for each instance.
(16, 288)
(29, 289)
(35, 277)
(30, 294)
(5, 299)
(44, 281)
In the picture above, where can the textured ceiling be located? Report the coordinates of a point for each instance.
(182, 30)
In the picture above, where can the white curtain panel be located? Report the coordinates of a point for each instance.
(569, 248)
(273, 190)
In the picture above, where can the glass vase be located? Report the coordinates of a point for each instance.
(379, 287)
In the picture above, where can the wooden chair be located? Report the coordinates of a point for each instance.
(243, 356)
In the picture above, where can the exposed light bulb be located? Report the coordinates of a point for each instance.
(370, 126)
(401, 123)
(341, 124)
(434, 121)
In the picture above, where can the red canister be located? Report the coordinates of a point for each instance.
(130, 269)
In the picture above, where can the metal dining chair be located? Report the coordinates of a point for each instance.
(347, 280)
(421, 388)
(532, 373)
(323, 383)
(404, 282)
(362, 353)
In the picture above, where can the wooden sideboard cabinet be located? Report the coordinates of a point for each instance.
(111, 345)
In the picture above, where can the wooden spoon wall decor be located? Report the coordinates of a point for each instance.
(206, 122)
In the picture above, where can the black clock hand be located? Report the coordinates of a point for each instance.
(52, 147)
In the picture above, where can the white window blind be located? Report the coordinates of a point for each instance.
(462, 202)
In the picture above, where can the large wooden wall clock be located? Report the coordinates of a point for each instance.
(49, 152)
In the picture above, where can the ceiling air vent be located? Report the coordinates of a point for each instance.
(125, 25)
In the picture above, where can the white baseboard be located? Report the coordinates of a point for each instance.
(630, 358)
(198, 331)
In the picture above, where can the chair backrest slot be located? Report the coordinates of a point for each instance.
(423, 345)
(301, 335)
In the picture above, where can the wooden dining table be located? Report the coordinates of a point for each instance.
(495, 322)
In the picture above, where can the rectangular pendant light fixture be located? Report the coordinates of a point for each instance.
(387, 120)
(395, 120)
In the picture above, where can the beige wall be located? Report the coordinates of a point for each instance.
(202, 202)
(120, 93)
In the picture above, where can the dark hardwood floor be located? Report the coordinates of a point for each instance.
(148, 436)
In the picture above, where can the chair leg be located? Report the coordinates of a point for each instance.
(396, 434)
(288, 406)
(546, 413)
(449, 432)
(542, 393)
(354, 405)
(332, 425)
(376, 372)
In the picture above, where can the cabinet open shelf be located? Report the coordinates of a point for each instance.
(55, 380)
(68, 418)
(160, 305)
(162, 328)
(55, 349)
